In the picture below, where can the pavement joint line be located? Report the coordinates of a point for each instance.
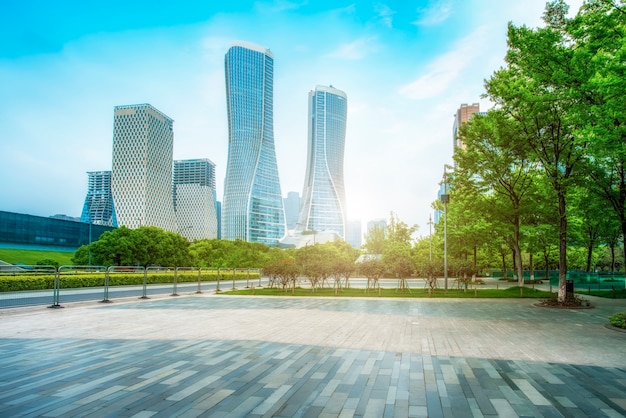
(254, 356)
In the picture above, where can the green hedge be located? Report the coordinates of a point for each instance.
(71, 281)
(618, 320)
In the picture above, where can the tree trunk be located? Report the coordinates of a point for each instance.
(562, 246)
(589, 256)
(531, 267)
(546, 261)
(517, 252)
(503, 265)
(612, 246)
(624, 236)
(475, 256)
(514, 263)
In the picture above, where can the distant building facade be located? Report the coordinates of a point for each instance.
(323, 197)
(376, 223)
(463, 114)
(252, 206)
(292, 209)
(18, 229)
(65, 217)
(195, 199)
(354, 234)
(141, 175)
(98, 208)
(218, 208)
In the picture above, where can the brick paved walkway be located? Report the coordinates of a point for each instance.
(216, 356)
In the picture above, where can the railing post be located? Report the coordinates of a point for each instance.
(56, 290)
(105, 298)
(175, 281)
(199, 280)
(144, 295)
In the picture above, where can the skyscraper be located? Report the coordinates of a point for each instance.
(253, 206)
(463, 114)
(98, 208)
(380, 223)
(323, 197)
(194, 198)
(354, 236)
(292, 209)
(141, 177)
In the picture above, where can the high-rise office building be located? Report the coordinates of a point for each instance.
(141, 175)
(354, 235)
(218, 209)
(463, 114)
(253, 205)
(98, 208)
(194, 199)
(323, 197)
(292, 209)
(380, 223)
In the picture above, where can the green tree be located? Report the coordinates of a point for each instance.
(81, 256)
(373, 269)
(599, 32)
(154, 246)
(399, 262)
(47, 262)
(495, 163)
(229, 254)
(375, 240)
(115, 248)
(343, 265)
(537, 88)
(281, 266)
(316, 262)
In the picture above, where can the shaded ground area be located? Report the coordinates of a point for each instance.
(256, 356)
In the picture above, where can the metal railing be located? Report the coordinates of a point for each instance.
(54, 284)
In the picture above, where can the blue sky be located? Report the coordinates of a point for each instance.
(406, 66)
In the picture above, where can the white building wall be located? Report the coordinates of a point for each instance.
(141, 175)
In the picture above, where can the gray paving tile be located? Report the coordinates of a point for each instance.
(310, 357)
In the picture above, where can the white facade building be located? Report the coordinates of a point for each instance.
(141, 175)
(195, 199)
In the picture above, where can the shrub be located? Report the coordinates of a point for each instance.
(70, 281)
(618, 320)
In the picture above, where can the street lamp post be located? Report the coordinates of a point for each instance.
(89, 261)
(445, 198)
(430, 235)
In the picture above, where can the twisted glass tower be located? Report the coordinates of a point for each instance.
(323, 197)
(98, 208)
(253, 206)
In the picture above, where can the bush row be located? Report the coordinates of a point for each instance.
(70, 281)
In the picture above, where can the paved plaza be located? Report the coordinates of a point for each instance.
(228, 356)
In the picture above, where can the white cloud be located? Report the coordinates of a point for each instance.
(356, 49)
(447, 68)
(384, 14)
(435, 13)
(277, 6)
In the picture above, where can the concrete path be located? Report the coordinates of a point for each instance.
(213, 356)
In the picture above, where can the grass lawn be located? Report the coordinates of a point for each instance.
(618, 294)
(512, 292)
(30, 257)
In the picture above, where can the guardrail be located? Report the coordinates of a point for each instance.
(51, 283)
